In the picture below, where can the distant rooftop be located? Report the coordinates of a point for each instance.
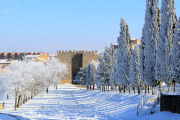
(133, 38)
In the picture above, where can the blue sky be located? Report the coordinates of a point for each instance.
(51, 25)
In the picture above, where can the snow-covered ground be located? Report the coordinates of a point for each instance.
(71, 102)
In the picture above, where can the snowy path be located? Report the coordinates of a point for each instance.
(70, 102)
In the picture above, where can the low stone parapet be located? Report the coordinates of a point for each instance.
(170, 102)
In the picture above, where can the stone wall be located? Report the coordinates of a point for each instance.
(75, 60)
(66, 58)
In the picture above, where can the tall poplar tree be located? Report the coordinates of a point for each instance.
(165, 42)
(152, 22)
(124, 55)
(176, 54)
(135, 79)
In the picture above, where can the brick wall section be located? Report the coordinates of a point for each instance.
(65, 57)
(88, 57)
(75, 60)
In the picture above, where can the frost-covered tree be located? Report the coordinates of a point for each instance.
(81, 76)
(141, 49)
(113, 77)
(57, 69)
(150, 39)
(25, 79)
(124, 55)
(176, 54)
(106, 63)
(135, 79)
(94, 65)
(89, 76)
(165, 42)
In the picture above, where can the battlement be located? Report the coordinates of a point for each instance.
(80, 51)
(76, 60)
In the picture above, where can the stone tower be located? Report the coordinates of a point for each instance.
(76, 60)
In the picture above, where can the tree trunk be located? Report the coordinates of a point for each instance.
(108, 87)
(125, 89)
(90, 87)
(139, 90)
(31, 95)
(174, 87)
(7, 96)
(21, 100)
(160, 87)
(93, 86)
(129, 89)
(119, 89)
(148, 89)
(153, 90)
(47, 90)
(15, 102)
(134, 90)
(104, 89)
(169, 88)
(24, 100)
(18, 105)
(100, 88)
(56, 87)
(87, 87)
(116, 87)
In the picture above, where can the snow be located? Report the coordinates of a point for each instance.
(4, 61)
(32, 56)
(71, 102)
(171, 93)
(133, 38)
(161, 116)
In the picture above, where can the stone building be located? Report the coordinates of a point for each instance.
(18, 56)
(134, 41)
(75, 60)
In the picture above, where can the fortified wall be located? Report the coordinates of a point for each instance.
(75, 60)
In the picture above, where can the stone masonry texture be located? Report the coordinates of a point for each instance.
(75, 60)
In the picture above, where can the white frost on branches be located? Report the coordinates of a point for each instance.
(176, 54)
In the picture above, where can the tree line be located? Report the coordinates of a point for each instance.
(25, 80)
(154, 60)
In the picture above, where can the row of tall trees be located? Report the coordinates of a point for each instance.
(155, 60)
(26, 79)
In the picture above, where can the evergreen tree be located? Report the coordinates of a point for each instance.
(124, 55)
(141, 49)
(89, 77)
(152, 21)
(176, 54)
(92, 72)
(91, 69)
(135, 79)
(105, 66)
(81, 76)
(113, 77)
(165, 42)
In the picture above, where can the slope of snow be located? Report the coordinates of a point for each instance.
(70, 102)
